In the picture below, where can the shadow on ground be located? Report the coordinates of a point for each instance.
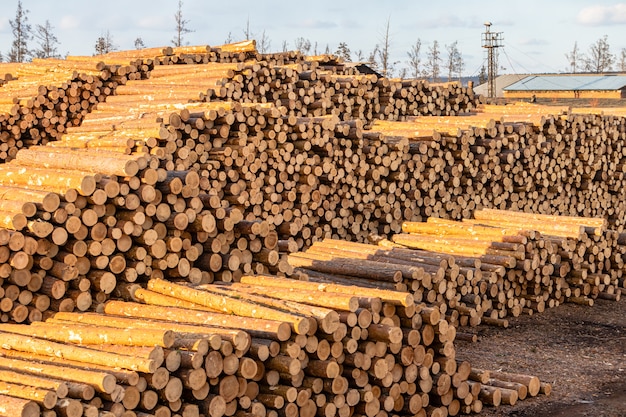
(580, 350)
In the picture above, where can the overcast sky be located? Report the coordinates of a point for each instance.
(537, 33)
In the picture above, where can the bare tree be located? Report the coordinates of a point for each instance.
(454, 62)
(433, 62)
(372, 58)
(343, 51)
(482, 75)
(104, 44)
(384, 51)
(599, 58)
(315, 49)
(47, 41)
(263, 44)
(415, 60)
(246, 31)
(359, 56)
(460, 66)
(21, 30)
(285, 46)
(622, 59)
(574, 57)
(182, 25)
(303, 45)
(229, 38)
(139, 43)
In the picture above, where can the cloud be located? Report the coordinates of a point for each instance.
(317, 24)
(448, 20)
(455, 21)
(602, 15)
(152, 22)
(69, 22)
(533, 41)
(350, 23)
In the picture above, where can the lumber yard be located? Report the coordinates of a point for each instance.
(211, 231)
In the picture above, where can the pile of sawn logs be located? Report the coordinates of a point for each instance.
(167, 180)
(266, 346)
(157, 180)
(498, 265)
(42, 98)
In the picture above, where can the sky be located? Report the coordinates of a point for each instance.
(537, 34)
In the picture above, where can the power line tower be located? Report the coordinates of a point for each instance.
(491, 41)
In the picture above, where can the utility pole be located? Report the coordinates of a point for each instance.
(491, 41)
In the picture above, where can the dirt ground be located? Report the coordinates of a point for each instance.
(580, 350)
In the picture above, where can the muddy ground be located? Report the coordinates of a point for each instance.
(580, 350)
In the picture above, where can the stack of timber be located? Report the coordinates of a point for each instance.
(566, 164)
(484, 270)
(528, 262)
(162, 179)
(314, 86)
(583, 251)
(266, 346)
(158, 180)
(90, 364)
(252, 157)
(214, 190)
(440, 280)
(42, 98)
(71, 216)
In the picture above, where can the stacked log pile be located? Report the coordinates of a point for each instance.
(516, 266)
(73, 214)
(323, 85)
(450, 283)
(499, 265)
(113, 365)
(217, 190)
(498, 163)
(266, 346)
(43, 98)
(224, 161)
(587, 258)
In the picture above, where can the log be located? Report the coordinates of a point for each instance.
(227, 304)
(101, 381)
(80, 354)
(59, 387)
(11, 406)
(92, 335)
(265, 327)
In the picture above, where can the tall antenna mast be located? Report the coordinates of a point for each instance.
(491, 41)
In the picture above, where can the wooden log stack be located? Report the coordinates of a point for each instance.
(322, 85)
(488, 269)
(229, 186)
(253, 179)
(506, 158)
(115, 366)
(212, 164)
(590, 257)
(43, 98)
(530, 262)
(75, 249)
(266, 346)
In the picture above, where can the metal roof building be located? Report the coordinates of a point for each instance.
(502, 81)
(568, 86)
